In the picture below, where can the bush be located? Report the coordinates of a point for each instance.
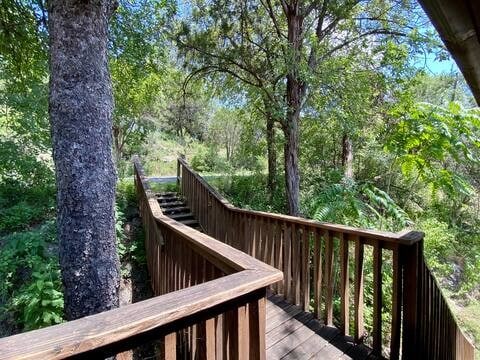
(29, 269)
(439, 245)
(18, 216)
(357, 204)
(250, 191)
(207, 159)
(39, 303)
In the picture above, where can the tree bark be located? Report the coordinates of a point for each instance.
(292, 176)
(81, 106)
(295, 94)
(347, 157)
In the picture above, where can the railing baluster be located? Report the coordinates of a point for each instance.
(170, 346)
(306, 268)
(377, 299)
(411, 263)
(279, 253)
(359, 282)
(271, 242)
(296, 259)
(344, 285)
(210, 339)
(317, 273)
(396, 305)
(287, 266)
(329, 279)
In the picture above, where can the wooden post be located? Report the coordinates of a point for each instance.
(411, 257)
(257, 325)
(182, 156)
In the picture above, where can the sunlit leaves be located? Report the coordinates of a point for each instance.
(431, 142)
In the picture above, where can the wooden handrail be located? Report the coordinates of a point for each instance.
(406, 237)
(98, 331)
(219, 283)
(315, 258)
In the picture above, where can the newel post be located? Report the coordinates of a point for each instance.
(411, 260)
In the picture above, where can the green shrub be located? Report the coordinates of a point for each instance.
(19, 216)
(129, 246)
(355, 204)
(439, 245)
(207, 159)
(39, 303)
(250, 191)
(29, 269)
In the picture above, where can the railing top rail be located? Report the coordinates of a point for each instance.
(405, 237)
(100, 330)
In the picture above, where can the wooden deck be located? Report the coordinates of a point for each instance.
(294, 334)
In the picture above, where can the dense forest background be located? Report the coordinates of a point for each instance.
(382, 141)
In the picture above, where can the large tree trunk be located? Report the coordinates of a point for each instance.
(81, 118)
(347, 157)
(295, 94)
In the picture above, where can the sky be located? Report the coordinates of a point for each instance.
(435, 66)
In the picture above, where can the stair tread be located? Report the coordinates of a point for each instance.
(168, 199)
(180, 209)
(172, 204)
(181, 216)
(189, 222)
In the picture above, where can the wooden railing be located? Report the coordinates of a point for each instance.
(323, 264)
(211, 303)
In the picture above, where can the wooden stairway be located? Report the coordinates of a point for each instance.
(176, 208)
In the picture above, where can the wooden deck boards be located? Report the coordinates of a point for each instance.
(294, 334)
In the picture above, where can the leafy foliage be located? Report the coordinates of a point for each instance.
(360, 205)
(31, 288)
(432, 142)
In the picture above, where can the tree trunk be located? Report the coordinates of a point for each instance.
(347, 157)
(292, 177)
(295, 94)
(272, 156)
(81, 118)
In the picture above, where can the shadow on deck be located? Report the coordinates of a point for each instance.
(295, 334)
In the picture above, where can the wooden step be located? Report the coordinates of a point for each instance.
(167, 200)
(176, 210)
(165, 206)
(182, 216)
(192, 223)
(166, 194)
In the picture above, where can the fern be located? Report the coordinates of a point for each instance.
(362, 205)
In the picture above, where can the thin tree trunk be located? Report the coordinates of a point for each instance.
(81, 118)
(347, 157)
(272, 156)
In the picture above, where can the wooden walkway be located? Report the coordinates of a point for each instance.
(294, 334)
